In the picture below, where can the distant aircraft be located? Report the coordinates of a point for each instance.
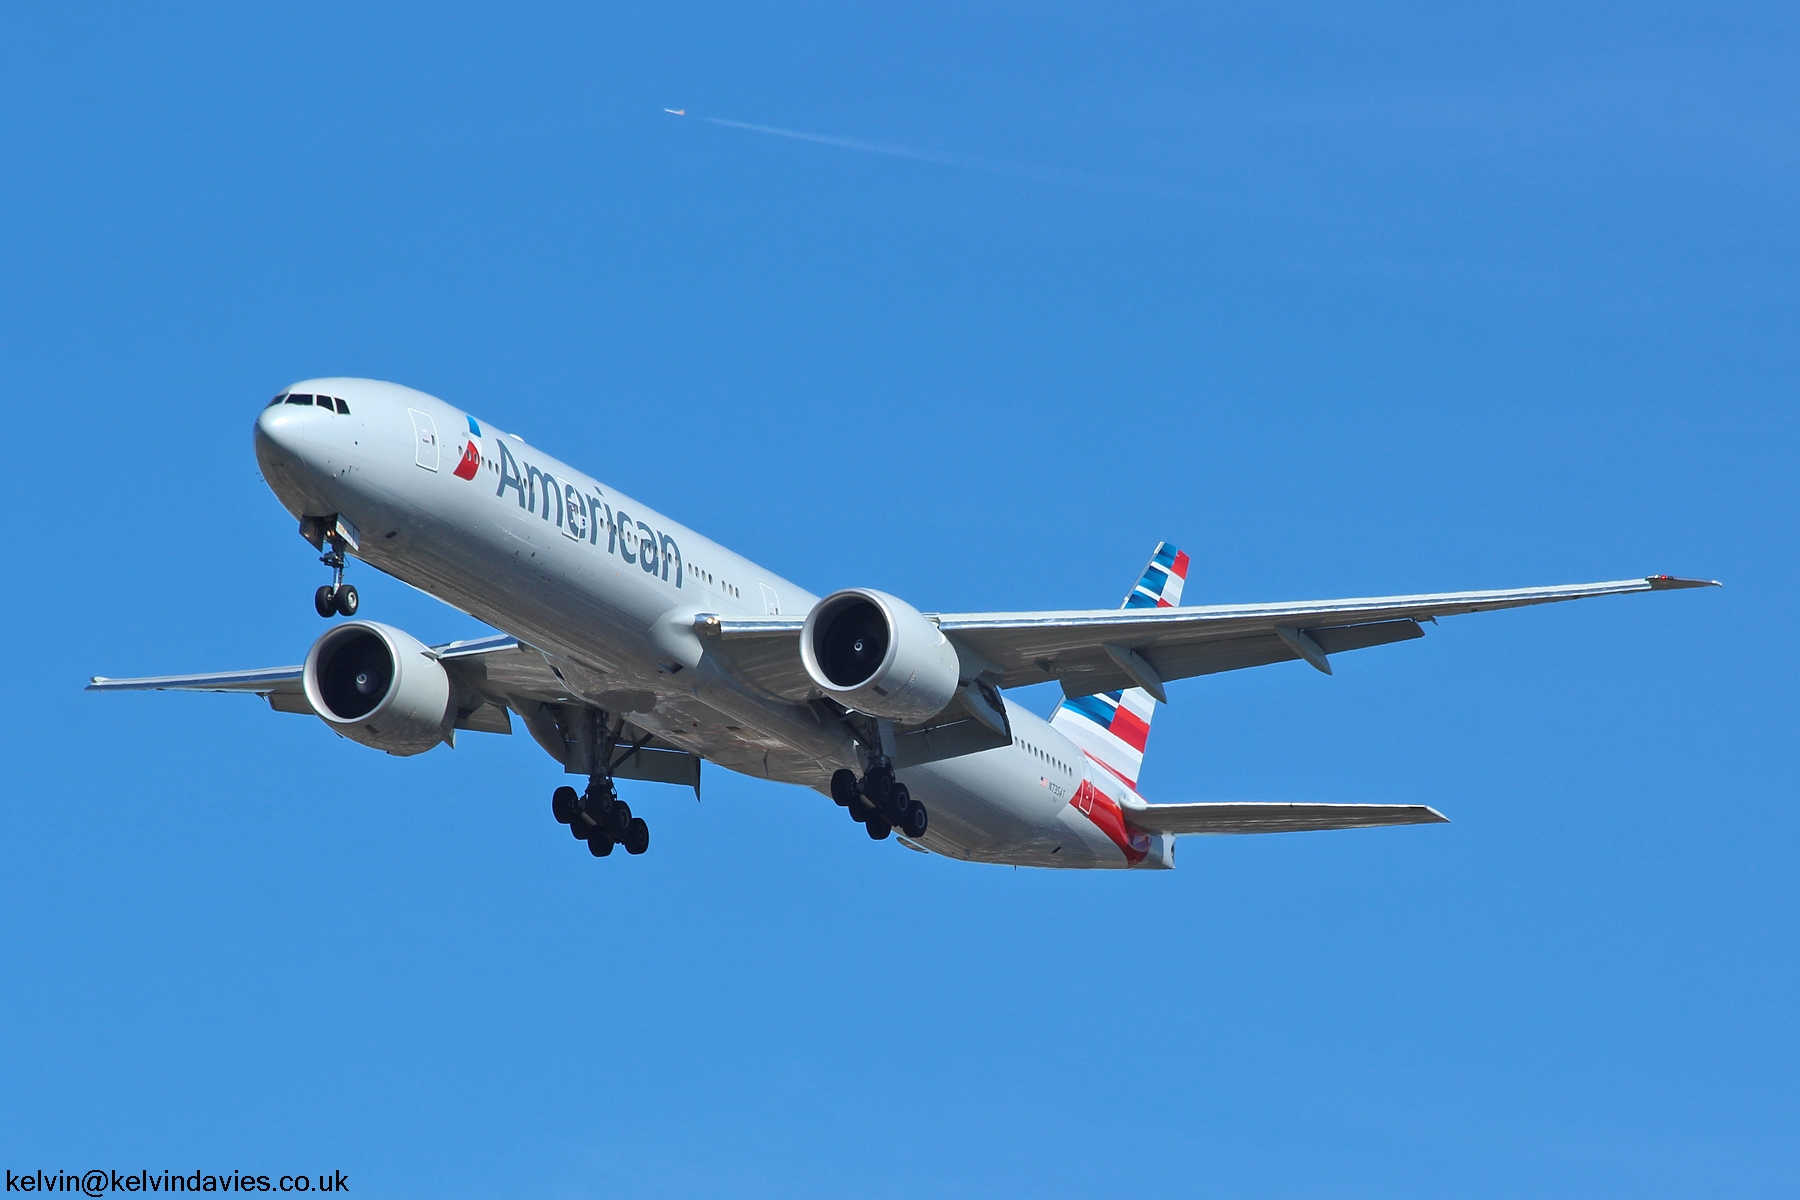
(634, 648)
(680, 112)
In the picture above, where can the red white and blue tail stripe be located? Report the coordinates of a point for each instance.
(1112, 727)
(1163, 578)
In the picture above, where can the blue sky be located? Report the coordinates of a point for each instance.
(1343, 301)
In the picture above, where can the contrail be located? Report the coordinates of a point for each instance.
(940, 158)
(947, 160)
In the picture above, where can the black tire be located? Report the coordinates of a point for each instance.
(600, 846)
(325, 600)
(347, 601)
(898, 801)
(878, 827)
(580, 829)
(876, 785)
(617, 820)
(843, 787)
(916, 821)
(562, 805)
(637, 837)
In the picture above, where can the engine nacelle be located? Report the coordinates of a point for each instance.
(379, 686)
(878, 654)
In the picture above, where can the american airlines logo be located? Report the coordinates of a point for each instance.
(580, 515)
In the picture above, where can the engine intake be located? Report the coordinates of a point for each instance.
(878, 654)
(379, 686)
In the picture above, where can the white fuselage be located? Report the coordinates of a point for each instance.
(607, 589)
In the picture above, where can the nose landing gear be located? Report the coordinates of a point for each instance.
(332, 534)
(599, 818)
(337, 596)
(879, 802)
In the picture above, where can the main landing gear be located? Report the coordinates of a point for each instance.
(879, 802)
(599, 818)
(336, 597)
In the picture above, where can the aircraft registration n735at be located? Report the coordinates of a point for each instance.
(635, 648)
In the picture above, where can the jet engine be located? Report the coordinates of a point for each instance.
(379, 686)
(878, 654)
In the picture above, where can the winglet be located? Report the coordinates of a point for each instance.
(1669, 583)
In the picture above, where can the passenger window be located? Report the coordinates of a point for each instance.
(299, 398)
(343, 409)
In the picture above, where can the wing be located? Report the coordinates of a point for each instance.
(1275, 818)
(280, 686)
(494, 676)
(1108, 649)
(495, 673)
(257, 683)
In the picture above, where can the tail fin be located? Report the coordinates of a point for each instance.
(1112, 727)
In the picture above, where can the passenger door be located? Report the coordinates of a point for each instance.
(425, 439)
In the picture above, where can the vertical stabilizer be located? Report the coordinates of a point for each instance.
(1112, 727)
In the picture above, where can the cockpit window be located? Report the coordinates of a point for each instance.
(277, 400)
(343, 408)
(299, 398)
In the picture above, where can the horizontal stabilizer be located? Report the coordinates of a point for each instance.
(1275, 818)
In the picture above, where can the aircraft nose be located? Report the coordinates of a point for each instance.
(279, 427)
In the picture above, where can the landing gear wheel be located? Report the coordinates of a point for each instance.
(580, 829)
(878, 827)
(346, 600)
(843, 788)
(562, 805)
(915, 822)
(600, 845)
(898, 801)
(617, 820)
(325, 600)
(637, 836)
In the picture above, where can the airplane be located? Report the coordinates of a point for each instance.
(632, 647)
(677, 112)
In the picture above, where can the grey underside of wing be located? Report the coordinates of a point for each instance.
(1235, 818)
(1175, 643)
(767, 654)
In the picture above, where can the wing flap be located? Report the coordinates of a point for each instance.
(1239, 817)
